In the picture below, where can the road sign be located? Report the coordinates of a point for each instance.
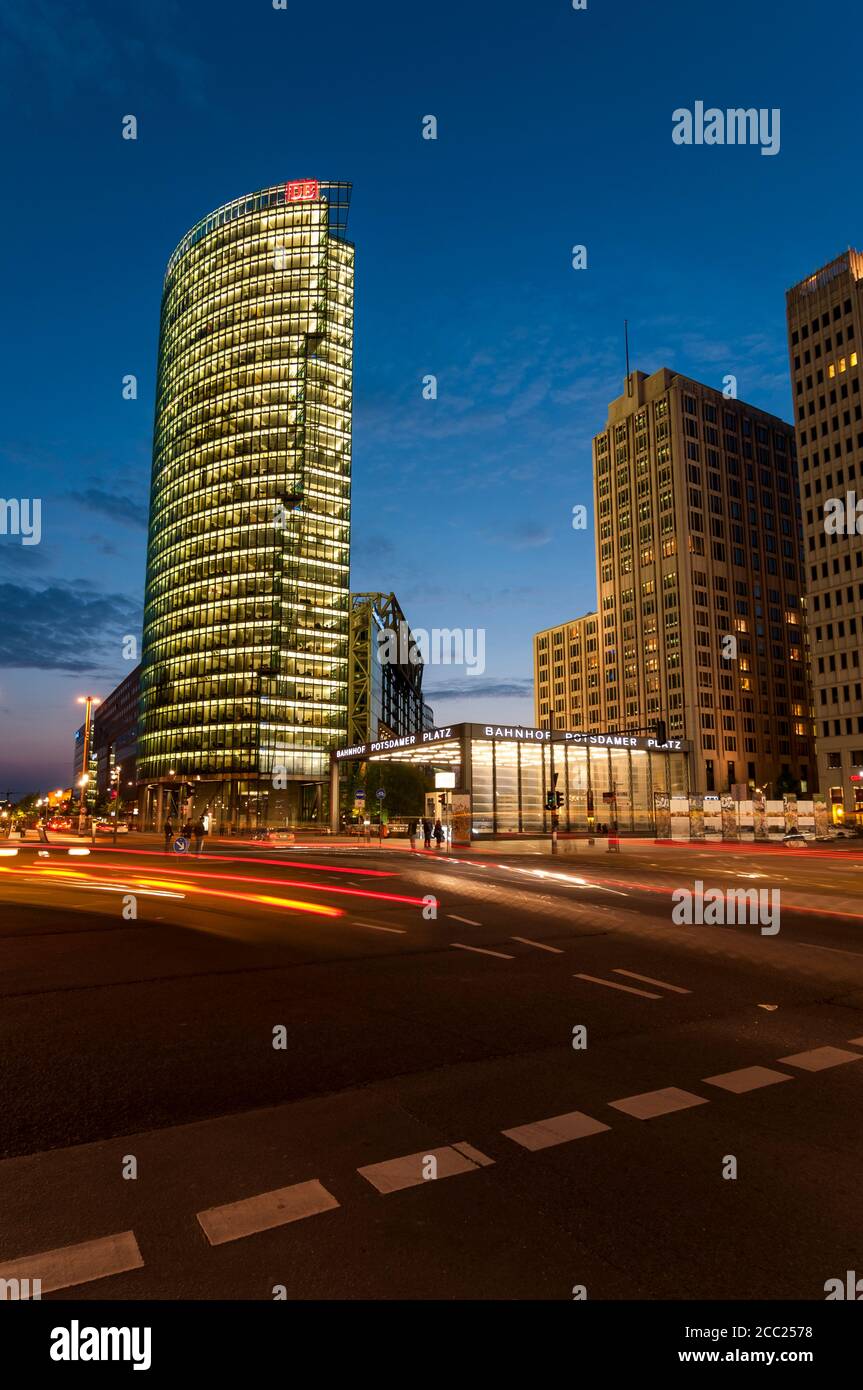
(181, 844)
(360, 794)
(380, 793)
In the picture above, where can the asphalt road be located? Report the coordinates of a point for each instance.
(428, 1015)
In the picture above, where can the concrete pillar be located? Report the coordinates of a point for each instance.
(334, 796)
(160, 819)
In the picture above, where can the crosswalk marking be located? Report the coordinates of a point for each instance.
(819, 1058)
(482, 1160)
(612, 984)
(480, 950)
(560, 1129)
(540, 945)
(648, 980)
(410, 1171)
(265, 1211)
(651, 1104)
(747, 1079)
(78, 1264)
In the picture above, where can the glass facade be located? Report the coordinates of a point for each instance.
(245, 654)
(508, 774)
(509, 782)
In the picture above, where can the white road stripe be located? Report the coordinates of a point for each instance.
(78, 1264)
(526, 941)
(408, 1171)
(612, 984)
(398, 931)
(836, 950)
(482, 1160)
(560, 1129)
(651, 1104)
(819, 1058)
(467, 921)
(480, 950)
(747, 1079)
(264, 1212)
(647, 980)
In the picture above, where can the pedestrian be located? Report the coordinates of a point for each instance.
(427, 832)
(438, 832)
(199, 832)
(412, 831)
(169, 833)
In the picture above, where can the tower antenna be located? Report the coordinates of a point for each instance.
(626, 345)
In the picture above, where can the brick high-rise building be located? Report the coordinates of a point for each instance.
(700, 614)
(566, 676)
(825, 332)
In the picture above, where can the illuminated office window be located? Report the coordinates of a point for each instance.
(247, 596)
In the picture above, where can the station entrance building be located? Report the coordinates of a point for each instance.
(503, 774)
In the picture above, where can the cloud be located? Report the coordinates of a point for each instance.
(119, 508)
(64, 627)
(58, 49)
(478, 689)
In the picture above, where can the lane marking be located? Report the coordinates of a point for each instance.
(398, 931)
(612, 984)
(820, 1058)
(480, 950)
(397, 1173)
(540, 946)
(560, 1129)
(856, 1042)
(646, 979)
(837, 950)
(467, 920)
(747, 1079)
(78, 1264)
(264, 1212)
(470, 1152)
(651, 1104)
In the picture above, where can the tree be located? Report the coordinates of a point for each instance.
(404, 783)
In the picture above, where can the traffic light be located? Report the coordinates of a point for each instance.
(550, 802)
(661, 731)
(442, 799)
(559, 798)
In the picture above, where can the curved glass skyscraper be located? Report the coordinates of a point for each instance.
(244, 666)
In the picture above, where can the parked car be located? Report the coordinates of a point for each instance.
(106, 827)
(797, 838)
(59, 823)
(843, 832)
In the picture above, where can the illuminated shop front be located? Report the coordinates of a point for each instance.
(505, 774)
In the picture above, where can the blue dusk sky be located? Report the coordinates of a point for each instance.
(554, 130)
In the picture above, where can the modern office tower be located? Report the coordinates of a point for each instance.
(115, 737)
(566, 676)
(245, 654)
(825, 343)
(699, 581)
(385, 697)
